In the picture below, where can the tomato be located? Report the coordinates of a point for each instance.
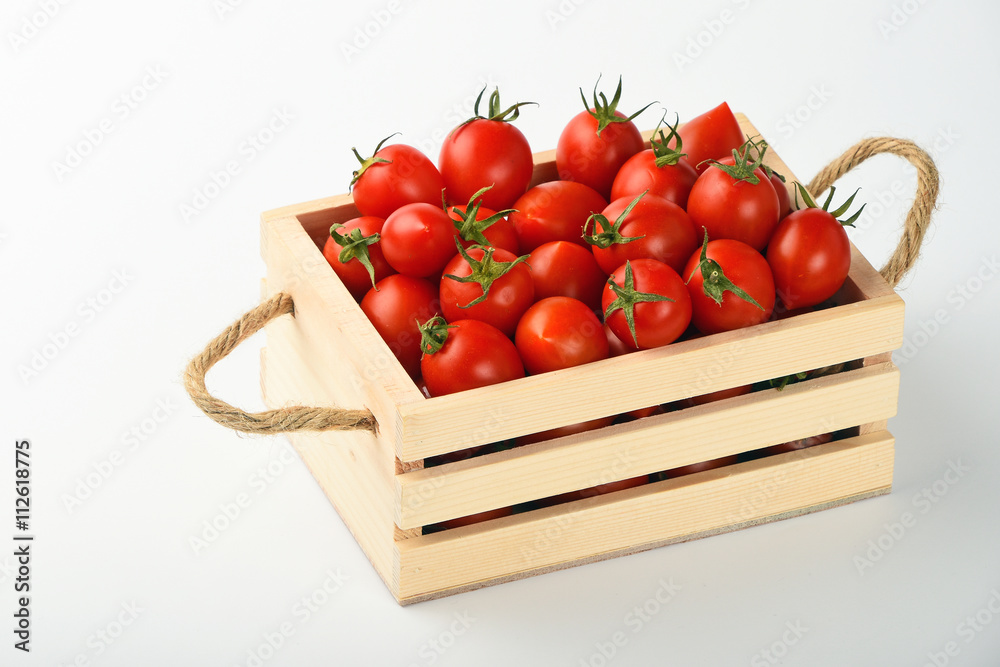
(554, 211)
(487, 150)
(464, 355)
(355, 255)
(735, 201)
(495, 288)
(646, 304)
(716, 278)
(596, 143)
(572, 429)
(393, 177)
(559, 332)
(699, 467)
(419, 239)
(659, 170)
(478, 225)
(784, 203)
(394, 309)
(561, 268)
(810, 254)
(641, 413)
(710, 136)
(616, 347)
(645, 227)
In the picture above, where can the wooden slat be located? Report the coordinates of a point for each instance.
(663, 442)
(660, 513)
(689, 368)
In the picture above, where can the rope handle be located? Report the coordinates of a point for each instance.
(301, 418)
(919, 217)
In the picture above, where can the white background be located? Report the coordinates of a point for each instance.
(926, 71)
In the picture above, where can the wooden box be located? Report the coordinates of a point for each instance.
(329, 354)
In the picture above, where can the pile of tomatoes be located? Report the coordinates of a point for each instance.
(472, 278)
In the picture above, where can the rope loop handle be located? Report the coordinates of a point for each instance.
(919, 217)
(282, 420)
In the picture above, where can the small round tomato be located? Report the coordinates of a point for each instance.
(559, 332)
(418, 240)
(643, 227)
(596, 143)
(616, 347)
(561, 268)
(646, 304)
(735, 201)
(487, 284)
(478, 225)
(466, 354)
(784, 202)
(355, 254)
(554, 211)
(394, 309)
(487, 150)
(730, 285)
(660, 170)
(711, 136)
(393, 177)
(810, 256)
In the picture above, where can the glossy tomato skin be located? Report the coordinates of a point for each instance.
(584, 157)
(810, 257)
(418, 240)
(475, 354)
(554, 211)
(668, 234)
(510, 295)
(394, 310)
(353, 274)
(486, 152)
(734, 209)
(711, 136)
(748, 270)
(784, 201)
(673, 182)
(500, 234)
(559, 332)
(409, 177)
(657, 323)
(616, 347)
(561, 268)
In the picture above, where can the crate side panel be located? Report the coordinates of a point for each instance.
(707, 502)
(663, 442)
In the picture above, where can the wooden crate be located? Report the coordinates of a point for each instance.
(330, 354)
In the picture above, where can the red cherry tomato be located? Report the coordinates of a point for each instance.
(639, 174)
(742, 266)
(561, 268)
(418, 240)
(500, 234)
(559, 332)
(554, 211)
(395, 176)
(616, 347)
(784, 202)
(710, 136)
(810, 256)
(394, 310)
(472, 354)
(661, 229)
(731, 208)
(656, 323)
(509, 294)
(353, 273)
(487, 151)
